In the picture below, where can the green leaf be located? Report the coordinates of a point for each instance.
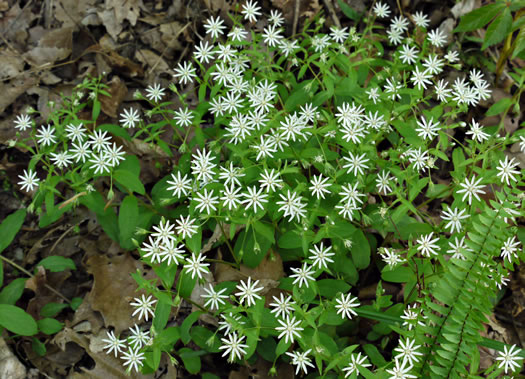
(478, 18)
(360, 250)
(128, 216)
(52, 309)
(399, 274)
(13, 291)
(205, 339)
(167, 338)
(499, 107)
(96, 109)
(10, 226)
(331, 287)
(115, 130)
(265, 231)
(1, 273)
(282, 346)
(57, 263)
(17, 321)
(519, 42)
(162, 314)
(498, 29)
(290, 240)
(49, 326)
(348, 11)
(191, 359)
(186, 325)
(38, 347)
(129, 180)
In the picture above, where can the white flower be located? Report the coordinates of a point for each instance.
(61, 159)
(433, 64)
(351, 195)
(185, 72)
(338, 35)
(254, 198)
(80, 152)
(272, 35)
(164, 231)
(346, 304)
(179, 185)
(419, 159)
(133, 358)
(130, 117)
(171, 253)
(292, 205)
(353, 366)
(373, 94)
(289, 329)
(155, 92)
(233, 345)
(399, 23)
(196, 265)
(354, 132)
(421, 79)
(427, 129)
(23, 122)
(114, 155)
(214, 298)
(346, 209)
(427, 246)
(302, 275)
(144, 307)
(231, 175)
(393, 87)
(381, 10)
(408, 351)
(138, 337)
(509, 358)
(100, 140)
(238, 34)
(506, 169)
(300, 360)
(231, 197)
(46, 136)
(442, 92)
(401, 371)
(452, 56)
(408, 54)
(276, 18)
(250, 10)
(454, 218)
(206, 201)
(437, 38)
(75, 132)
(282, 306)
(204, 52)
(509, 249)
(471, 188)
(100, 163)
(477, 132)
(113, 343)
(382, 182)
(394, 36)
(248, 291)
(319, 186)
(214, 26)
(186, 227)
(391, 258)
(456, 247)
(321, 255)
(184, 117)
(152, 249)
(29, 181)
(229, 322)
(356, 163)
(421, 19)
(411, 317)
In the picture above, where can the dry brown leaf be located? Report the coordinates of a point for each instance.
(118, 11)
(55, 45)
(113, 288)
(10, 91)
(14, 24)
(110, 104)
(122, 65)
(73, 13)
(11, 64)
(155, 62)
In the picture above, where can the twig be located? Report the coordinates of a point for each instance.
(61, 238)
(296, 16)
(331, 10)
(20, 268)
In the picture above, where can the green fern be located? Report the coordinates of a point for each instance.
(457, 306)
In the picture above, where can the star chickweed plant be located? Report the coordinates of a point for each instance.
(339, 152)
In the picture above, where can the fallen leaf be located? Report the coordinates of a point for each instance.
(155, 62)
(117, 90)
(10, 366)
(55, 45)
